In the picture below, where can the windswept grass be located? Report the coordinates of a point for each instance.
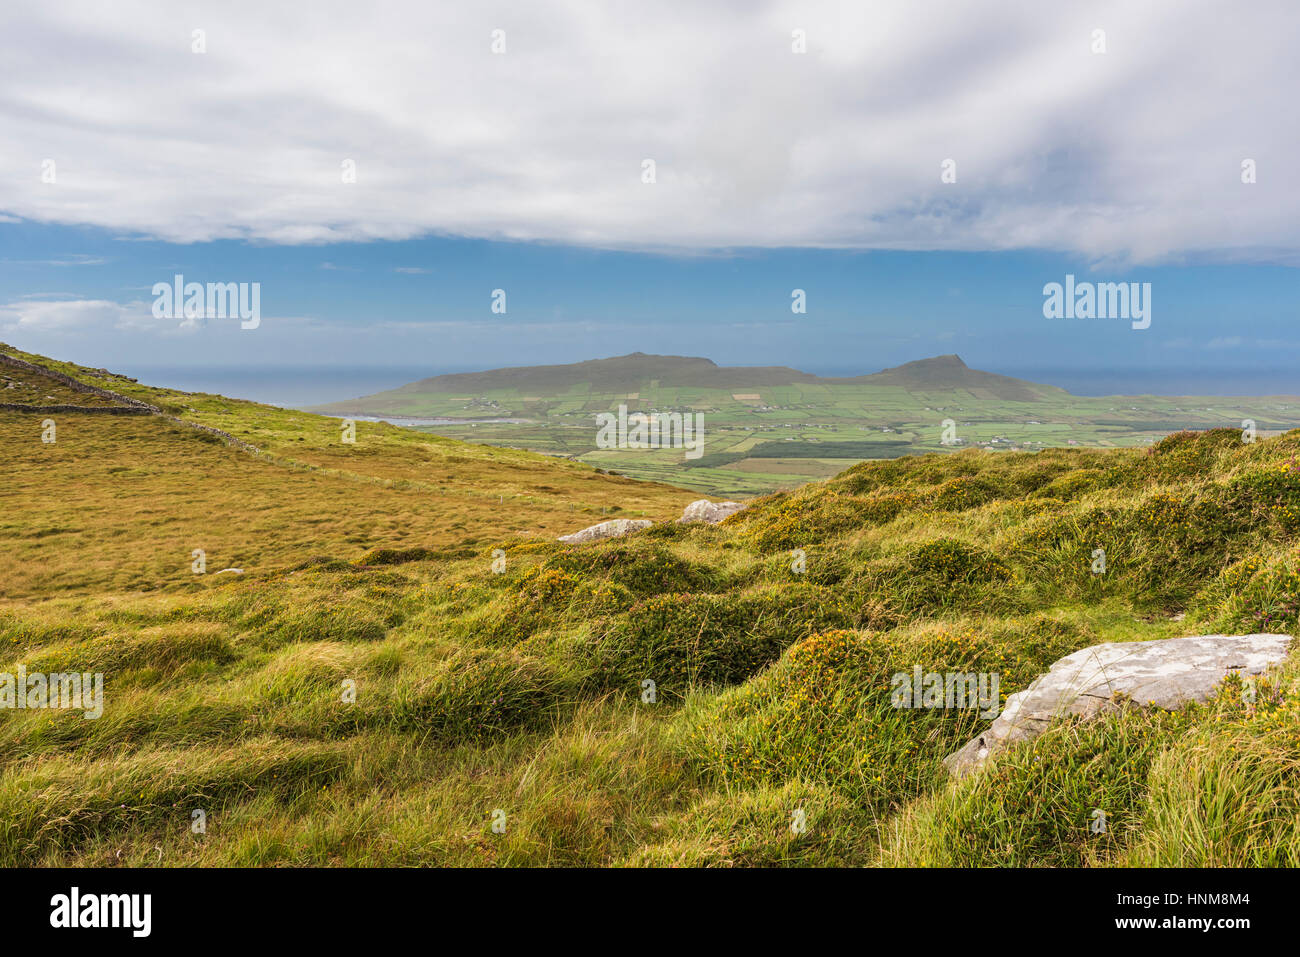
(409, 657)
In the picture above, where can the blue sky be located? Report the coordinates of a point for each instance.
(379, 179)
(426, 303)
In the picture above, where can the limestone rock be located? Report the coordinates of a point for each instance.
(1167, 673)
(703, 510)
(611, 529)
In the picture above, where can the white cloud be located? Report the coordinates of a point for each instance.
(1133, 154)
(61, 315)
(124, 320)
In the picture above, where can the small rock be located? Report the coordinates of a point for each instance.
(1167, 673)
(703, 510)
(611, 529)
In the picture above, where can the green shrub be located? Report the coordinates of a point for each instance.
(959, 494)
(1186, 455)
(1260, 592)
(1267, 495)
(826, 714)
(1074, 485)
(882, 509)
(682, 640)
(640, 569)
(952, 561)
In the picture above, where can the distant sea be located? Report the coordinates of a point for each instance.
(298, 387)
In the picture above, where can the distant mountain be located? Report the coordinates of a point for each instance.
(618, 374)
(639, 371)
(942, 373)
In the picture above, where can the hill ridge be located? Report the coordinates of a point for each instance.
(635, 370)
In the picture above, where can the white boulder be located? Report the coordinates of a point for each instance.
(1167, 673)
(703, 510)
(611, 529)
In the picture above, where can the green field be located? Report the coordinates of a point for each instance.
(800, 427)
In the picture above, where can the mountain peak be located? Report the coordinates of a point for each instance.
(935, 363)
(949, 372)
(659, 359)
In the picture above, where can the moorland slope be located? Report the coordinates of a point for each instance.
(375, 690)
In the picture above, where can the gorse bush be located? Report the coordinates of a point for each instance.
(965, 492)
(952, 561)
(1269, 495)
(1075, 485)
(1186, 455)
(641, 570)
(1260, 592)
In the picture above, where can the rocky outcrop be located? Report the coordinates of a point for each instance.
(611, 529)
(703, 510)
(1167, 673)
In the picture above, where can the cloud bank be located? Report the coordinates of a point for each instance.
(1132, 154)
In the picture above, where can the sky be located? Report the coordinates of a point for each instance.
(656, 178)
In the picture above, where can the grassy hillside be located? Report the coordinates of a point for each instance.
(121, 502)
(773, 428)
(515, 693)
